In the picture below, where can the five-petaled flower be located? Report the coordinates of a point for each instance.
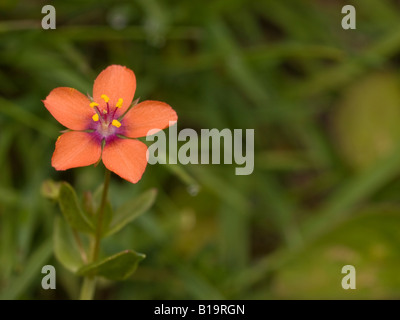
(105, 128)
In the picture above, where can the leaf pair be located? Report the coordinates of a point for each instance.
(78, 219)
(116, 267)
(70, 249)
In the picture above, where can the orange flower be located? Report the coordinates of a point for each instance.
(104, 128)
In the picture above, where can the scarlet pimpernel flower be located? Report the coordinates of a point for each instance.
(106, 127)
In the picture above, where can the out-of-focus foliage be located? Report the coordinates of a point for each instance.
(325, 106)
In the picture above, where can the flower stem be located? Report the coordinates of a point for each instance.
(89, 282)
(88, 287)
(100, 216)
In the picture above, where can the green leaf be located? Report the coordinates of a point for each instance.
(131, 210)
(72, 211)
(116, 267)
(65, 246)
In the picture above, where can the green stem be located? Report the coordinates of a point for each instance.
(88, 288)
(100, 216)
(89, 283)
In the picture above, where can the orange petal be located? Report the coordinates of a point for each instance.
(146, 116)
(75, 149)
(69, 107)
(125, 157)
(115, 82)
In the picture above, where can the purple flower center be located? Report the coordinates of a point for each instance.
(105, 126)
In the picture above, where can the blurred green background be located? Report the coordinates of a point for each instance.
(325, 106)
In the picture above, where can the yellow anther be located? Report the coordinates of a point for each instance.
(105, 111)
(119, 103)
(116, 123)
(105, 98)
(93, 104)
(95, 117)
